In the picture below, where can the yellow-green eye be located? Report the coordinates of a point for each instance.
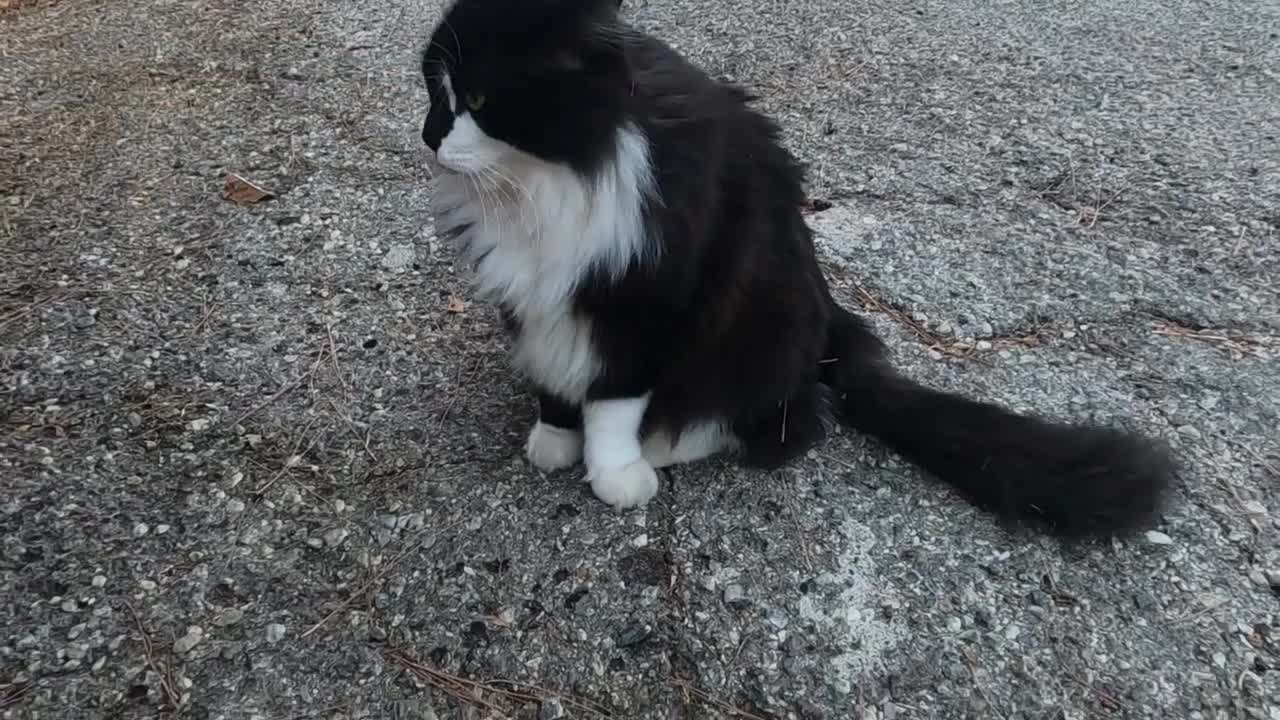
(475, 101)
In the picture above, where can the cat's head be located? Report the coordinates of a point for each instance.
(514, 83)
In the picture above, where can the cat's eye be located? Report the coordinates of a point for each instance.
(475, 101)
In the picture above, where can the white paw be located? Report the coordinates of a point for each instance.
(629, 486)
(553, 448)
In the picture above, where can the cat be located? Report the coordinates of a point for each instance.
(640, 228)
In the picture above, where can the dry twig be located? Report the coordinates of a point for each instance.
(933, 342)
(165, 673)
(283, 391)
(692, 694)
(472, 692)
(1233, 344)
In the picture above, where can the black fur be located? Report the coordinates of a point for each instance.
(734, 319)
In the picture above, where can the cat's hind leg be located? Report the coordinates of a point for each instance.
(698, 441)
(555, 442)
(774, 437)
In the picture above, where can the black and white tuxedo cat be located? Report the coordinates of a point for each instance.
(640, 227)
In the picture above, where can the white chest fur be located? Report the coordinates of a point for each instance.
(532, 231)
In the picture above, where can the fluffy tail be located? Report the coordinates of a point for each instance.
(1074, 479)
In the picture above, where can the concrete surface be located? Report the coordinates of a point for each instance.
(254, 456)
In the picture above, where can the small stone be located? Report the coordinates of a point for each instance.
(954, 625)
(984, 345)
(735, 595)
(99, 580)
(162, 529)
(232, 650)
(1155, 537)
(1253, 507)
(199, 424)
(1259, 578)
(275, 632)
(551, 709)
(185, 643)
(141, 529)
(334, 537)
(984, 329)
(398, 257)
(639, 541)
(1219, 660)
(228, 616)
(633, 634)
(147, 584)
(1190, 432)
(776, 618)
(76, 651)
(235, 506)
(70, 605)
(1273, 577)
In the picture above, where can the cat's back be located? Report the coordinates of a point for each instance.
(704, 126)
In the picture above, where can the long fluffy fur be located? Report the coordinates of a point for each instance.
(640, 227)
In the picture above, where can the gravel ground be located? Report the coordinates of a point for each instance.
(263, 460)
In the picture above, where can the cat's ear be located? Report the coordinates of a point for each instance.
(594, 40)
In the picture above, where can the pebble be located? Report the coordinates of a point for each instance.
(735, 595)
(141, 529)
(235, 506)
(640, 541)
(199, 424)
(334, 537)
(184, 644)
(70, 605)
(633, 634)
(1259, 578)
(275, 633)
(551, 709)
(1155, 537)
(984, 345)
(1253, 507)
(776, 618)
(398, 257)
(1189, 431)
(228, 616)
(99, 580)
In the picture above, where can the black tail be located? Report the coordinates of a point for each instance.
(1076, 480)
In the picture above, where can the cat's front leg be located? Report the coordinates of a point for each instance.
(555, 442)
(616, 468)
